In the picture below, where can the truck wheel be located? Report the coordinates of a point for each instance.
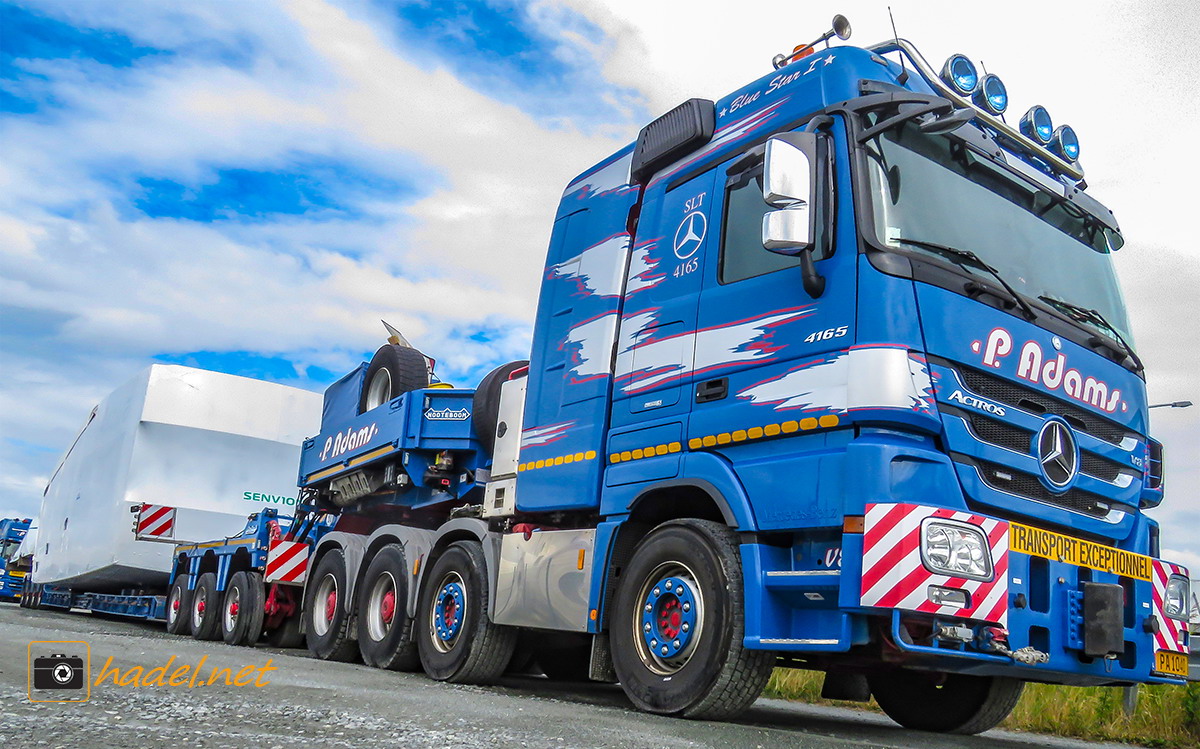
(393, 371)
(242, 610)
(383, 632)
(946, 703)
(329, 623)
(206, 608)
(677, 627)
(485, 406)
(456, 640)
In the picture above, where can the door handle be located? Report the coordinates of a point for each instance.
(712, 390)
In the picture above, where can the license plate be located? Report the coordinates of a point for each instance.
(1166, 662)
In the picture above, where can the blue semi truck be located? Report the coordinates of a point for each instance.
(12, 576)
(833, 372)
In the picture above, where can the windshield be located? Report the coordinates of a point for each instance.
(934, 189)
(8, 548)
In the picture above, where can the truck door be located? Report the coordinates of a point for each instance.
(766, 351)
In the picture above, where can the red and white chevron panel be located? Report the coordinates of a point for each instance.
(287, 562)
(155, 522)
(1170, 631)
(894, 577)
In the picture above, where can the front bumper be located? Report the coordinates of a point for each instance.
(1054, 594)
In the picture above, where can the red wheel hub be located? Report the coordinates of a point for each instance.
(450, 613)
(175, 605)
(387, 607)
(330, 605)
(670, 616)
(200, 606)
(233, 609)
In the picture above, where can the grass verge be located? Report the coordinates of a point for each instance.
(1166, 716)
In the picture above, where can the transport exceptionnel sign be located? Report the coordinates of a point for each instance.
(1049, 545)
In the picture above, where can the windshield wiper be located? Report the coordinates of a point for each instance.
(957, 256)
(1094, 316)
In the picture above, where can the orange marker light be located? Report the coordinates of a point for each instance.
(853, 524)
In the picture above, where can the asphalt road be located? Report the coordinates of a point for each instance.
(311, 703)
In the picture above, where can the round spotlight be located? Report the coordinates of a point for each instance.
(1065, 143)
(1036, 124)
(991, 96)
(960, 73)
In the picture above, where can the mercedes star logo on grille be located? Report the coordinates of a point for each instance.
(1057, 454)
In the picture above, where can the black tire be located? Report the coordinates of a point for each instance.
(485, 407)
(700, 668)
(242, 609)
(945, 703)
(468, 648)
(286, 635)
(205, 608)
(327, 620)
(384, 635)
(393, 371)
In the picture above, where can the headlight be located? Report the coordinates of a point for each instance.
(956, 549)
(1065, 143)
(1036, 124)
(960, 73)
(991, 96)
(1175, 601)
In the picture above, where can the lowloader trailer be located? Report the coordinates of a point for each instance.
(833, 372)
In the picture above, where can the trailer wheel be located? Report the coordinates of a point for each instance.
(206, 608)
(383, 632)
(485, 406)
(393, 371)
(328, 619)
(677, 628)
(946, 703)
(456, 639)
(242, 609)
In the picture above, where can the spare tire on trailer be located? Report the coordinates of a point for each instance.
(393, 371)
(485, 408)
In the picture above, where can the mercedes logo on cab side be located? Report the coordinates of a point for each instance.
(690, 235)
(1057, 453)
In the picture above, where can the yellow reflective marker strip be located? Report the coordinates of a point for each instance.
(652, 451)
(767, 430)
(377, 453)
(561, 460)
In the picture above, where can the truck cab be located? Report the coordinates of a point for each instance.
(834, 371)
(12, 573)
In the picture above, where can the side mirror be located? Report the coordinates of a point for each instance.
(789, 185)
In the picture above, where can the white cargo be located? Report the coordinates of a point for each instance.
(215, 446)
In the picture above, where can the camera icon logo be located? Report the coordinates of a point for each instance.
(59, 671)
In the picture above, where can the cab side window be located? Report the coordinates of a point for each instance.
(742, 253)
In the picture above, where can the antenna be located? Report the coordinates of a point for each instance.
(903, 77)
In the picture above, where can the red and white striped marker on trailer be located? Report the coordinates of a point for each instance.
(155, 522)
(287, 562)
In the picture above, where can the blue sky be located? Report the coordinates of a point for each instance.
(251, 187)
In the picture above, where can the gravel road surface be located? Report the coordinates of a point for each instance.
(309, 703)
